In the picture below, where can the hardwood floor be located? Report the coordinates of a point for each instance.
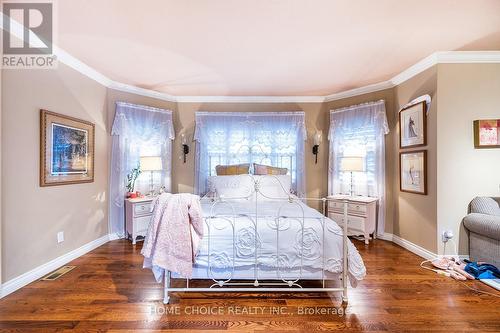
(110, 292)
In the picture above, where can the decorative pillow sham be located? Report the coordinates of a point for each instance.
(260, 169)
(273, 187)
(232, 187)
(231, 170)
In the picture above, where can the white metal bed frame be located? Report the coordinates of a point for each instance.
(254, 285)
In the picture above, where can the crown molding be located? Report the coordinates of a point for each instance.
(445, 57)
(416, 69)
(141, 91)
(82, 68)
(91, 73)
(359, 91)
(468, 57)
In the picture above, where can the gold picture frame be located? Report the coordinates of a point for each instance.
(66, 150)
(487, 133)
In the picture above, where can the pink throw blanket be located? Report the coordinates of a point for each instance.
(174, 234)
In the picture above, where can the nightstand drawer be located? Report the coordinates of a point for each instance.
(141, 209)
(355, 223)
(335, 205)
(142, 224)
(336, 217)
(356, 208)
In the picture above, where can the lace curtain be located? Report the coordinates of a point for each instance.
(359, 130)
(137, 131)
(275, 139)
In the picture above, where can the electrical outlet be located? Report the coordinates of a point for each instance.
(446, 235)
(60, 237)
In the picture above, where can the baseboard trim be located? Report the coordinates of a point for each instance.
(386, 236)
(115, 236)
(42, 270)
(414, 248)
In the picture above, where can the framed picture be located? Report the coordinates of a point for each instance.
(413, 126)
(487, 133)
(66, 150)
(413, 171)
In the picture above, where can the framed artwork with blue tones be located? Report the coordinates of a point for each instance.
(66, 150)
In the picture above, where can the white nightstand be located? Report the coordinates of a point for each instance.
(137, 217)
(361, 214)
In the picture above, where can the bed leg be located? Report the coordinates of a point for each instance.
(345, 300)
(166, 298)
(345, 255)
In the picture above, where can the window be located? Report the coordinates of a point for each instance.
(160, 177)
(359, 131)
(275, 139)
(359, 142)
(137, 131)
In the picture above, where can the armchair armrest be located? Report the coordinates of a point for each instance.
(483, 224)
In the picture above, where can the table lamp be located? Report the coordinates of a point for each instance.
(151, 163)
(352, 164)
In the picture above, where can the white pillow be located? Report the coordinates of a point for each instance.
(232, 187)
(273, 186)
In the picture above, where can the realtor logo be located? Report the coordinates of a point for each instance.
(28, 35)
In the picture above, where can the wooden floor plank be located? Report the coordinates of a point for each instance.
(110, 292)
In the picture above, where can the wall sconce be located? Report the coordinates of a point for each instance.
(185, 147)
(316, 142)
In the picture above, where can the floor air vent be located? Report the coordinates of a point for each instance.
(57, 274)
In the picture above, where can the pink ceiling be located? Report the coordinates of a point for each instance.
(268, 47)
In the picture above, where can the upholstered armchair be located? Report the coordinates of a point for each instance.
(483, 224)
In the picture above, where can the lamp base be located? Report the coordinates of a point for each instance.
(352, 185)
(151, 185)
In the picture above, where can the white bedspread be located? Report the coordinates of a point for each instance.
(306, 247)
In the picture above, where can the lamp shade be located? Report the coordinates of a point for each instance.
(352, 164)
(317, 138)
(151, 163)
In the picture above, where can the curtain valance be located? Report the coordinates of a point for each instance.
(365, 115)
(287, 122)
(143, 123)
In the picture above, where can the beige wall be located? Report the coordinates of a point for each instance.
(467, 92)
(33, 215)
(388, 96)
(415, 215)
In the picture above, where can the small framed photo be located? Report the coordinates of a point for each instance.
(66, 150)
(413, 172)
(413, 126)
(487, 133)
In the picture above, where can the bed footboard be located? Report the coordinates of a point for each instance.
(281, 285)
